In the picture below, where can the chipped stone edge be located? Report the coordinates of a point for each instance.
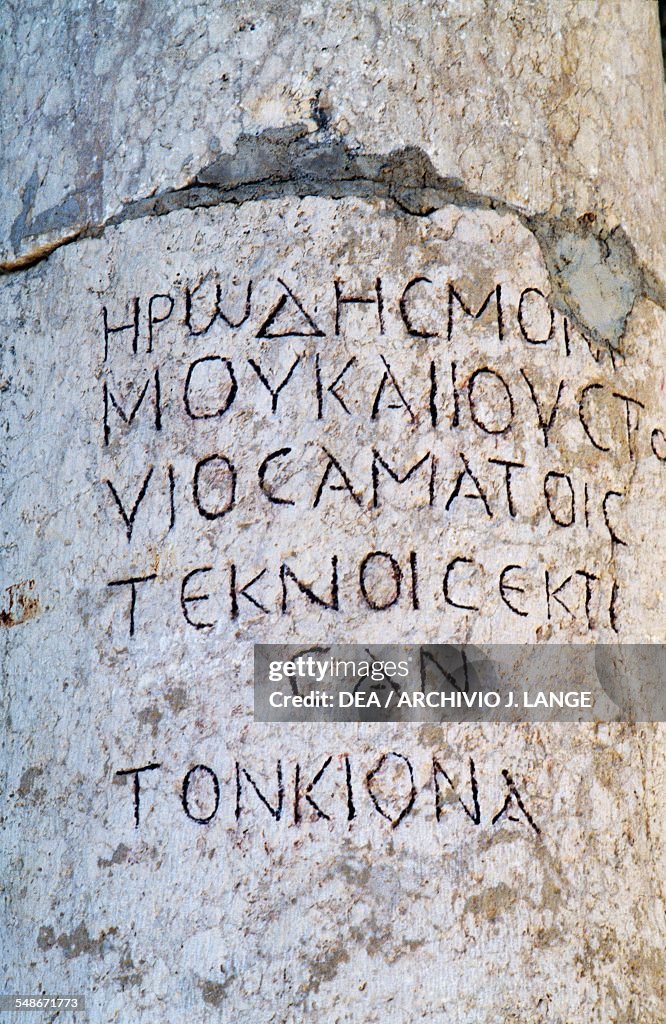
(293, 161)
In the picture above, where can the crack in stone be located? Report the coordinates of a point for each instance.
(594, 272)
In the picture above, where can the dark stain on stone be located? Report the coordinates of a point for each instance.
(491, 902)
(320, 110)
(127, 975)
(326, 966)
(21, 606)
(28, 779)
(374, 936)
(73, 211)
(215, 992)
(76, 943)
(119, 856)
(176, 698)
(21, 223)
(150, 716)
(46, 938)
(57, 218)
(357, 875)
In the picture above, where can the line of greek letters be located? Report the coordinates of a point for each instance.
(201, 795)
(384, 580)
(418, 484)
(609, 421)
(287, 314)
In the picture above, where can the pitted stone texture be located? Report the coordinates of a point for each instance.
(545, 106)
(347, 919)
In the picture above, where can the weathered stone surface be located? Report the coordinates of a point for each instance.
(550, 107)
(376, 899)
(176, 695)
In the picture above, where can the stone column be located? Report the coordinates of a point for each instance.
(328, 322)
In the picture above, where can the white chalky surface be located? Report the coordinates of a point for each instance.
(261, 919)
(373, 902)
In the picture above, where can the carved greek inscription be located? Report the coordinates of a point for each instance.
(457, 409)
(337, 789)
